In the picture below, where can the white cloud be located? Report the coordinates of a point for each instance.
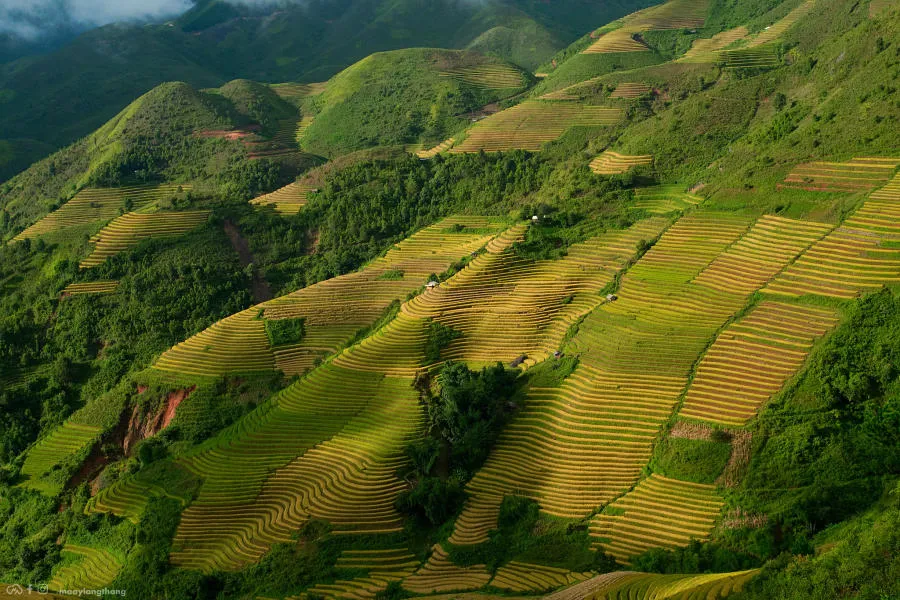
(31, 18)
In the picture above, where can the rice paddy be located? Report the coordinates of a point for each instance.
(287, 200)
(439, 574)
(706, 50)
(132, 228)
(94, 569)
(752, 359)
(529, 125)
(761, 254)
(99, 204)
(383, 566)
(659, 513)
(93, 287)
(629, 585)
(334, 310)
(676, 14)
(664, 199)
(859, 174)
(527, 577)
(50, 451)
(496, 76)
(575, 447)
(861, 255)
(432, 152)
(613, 163)
(535, 302)
(630, 91)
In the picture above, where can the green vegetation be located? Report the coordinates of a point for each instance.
(592, 446)
(285, 331)
(75, 89)
(465, 418)
(396, 98)
(526, 535)
(700, 461)
(439, 337)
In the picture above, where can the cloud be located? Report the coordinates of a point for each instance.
(31, 19)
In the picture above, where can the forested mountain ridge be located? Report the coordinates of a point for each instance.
(624, 327)
(51, 100)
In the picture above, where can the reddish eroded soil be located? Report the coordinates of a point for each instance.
(260, 287)
(229, 134)
(142, 426)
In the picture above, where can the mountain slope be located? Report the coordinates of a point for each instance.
(634, 334)
(58, 97)
(404, 97)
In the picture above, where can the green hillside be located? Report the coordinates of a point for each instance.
(55, 98)
(405, 97)
(438, 327)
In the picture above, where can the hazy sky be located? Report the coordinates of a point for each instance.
(30, 18)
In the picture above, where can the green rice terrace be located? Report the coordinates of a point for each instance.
(614, 317)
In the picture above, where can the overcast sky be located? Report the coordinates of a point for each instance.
(31, 18)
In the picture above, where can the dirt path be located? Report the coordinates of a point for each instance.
(260, 286)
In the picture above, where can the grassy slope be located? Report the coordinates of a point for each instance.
(396, 98)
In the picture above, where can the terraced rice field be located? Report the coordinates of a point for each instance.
(676, 14)
(629, 585)
(282, 144)
(525, 577)
(440, 575)
(630, 91)
(760, 57)
(619, 40)
(287, 200)
(859, 174)
(329, 446)
(757, 51)
(752, 359)
(577, 446)
(613, 163)
(663, 199)
(384, 566)
(93, 287)
(774, 31)
(128, 497)
(706, 50)
(495, 77)
(95, 569)
(658, 513)
(298, 91)
(236, 344)
(529, 125)
(761, 254)
(53, 449)
(535, 302)
(863, 254)
(132, 228)
(333, 310)
(99, 204)
(432, 152)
